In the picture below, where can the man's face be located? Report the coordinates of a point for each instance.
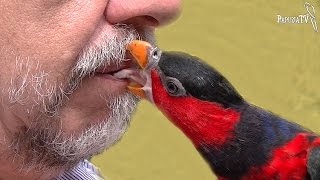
(60, 102)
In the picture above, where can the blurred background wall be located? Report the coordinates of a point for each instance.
(275, 66)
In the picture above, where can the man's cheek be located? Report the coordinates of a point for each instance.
(60, 30)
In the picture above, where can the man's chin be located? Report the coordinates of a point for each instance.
(45, 146)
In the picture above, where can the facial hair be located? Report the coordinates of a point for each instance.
(43, 145)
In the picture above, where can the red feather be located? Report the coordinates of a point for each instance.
(207, 122)
(286, 162)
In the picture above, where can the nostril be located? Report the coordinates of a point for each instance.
(143, 20)
(153, 21)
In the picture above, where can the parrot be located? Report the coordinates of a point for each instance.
(238, 140)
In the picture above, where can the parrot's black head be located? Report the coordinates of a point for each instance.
(186, 74)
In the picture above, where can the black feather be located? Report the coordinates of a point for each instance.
(201, 80)
(313, 163)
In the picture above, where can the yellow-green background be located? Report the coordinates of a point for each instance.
(275, 66)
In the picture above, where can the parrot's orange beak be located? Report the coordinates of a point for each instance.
(137, 90)
(139, 50)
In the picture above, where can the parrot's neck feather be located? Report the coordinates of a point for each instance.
(202, 127)
(255, 136)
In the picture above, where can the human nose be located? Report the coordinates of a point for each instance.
(143, 12)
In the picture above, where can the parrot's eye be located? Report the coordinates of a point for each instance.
(174, 87)
(156, 53)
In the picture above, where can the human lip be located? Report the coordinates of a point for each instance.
(113, 68)
(108, 73)
(115, 71)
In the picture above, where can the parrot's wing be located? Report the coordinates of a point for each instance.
(313, 163)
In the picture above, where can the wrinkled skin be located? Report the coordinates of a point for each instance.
(52, 105)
